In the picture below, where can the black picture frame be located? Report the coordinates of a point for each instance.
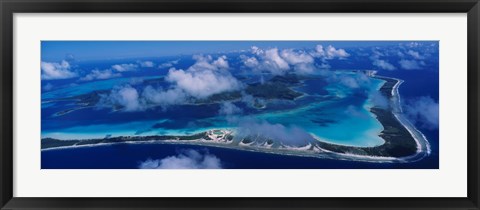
(9, 7)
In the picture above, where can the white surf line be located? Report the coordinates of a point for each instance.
(427, 144)
(325, 153)
(78, 146)
(406, 123)
(417, 135)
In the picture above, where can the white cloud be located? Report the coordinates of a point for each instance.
(162, 97)
(256, 50)
(415, 54)
(293, 57)
(382, 58)
(203, 79)
(168, 64)
(304, 68)
(125, 96)
(336, 53)
(204, 63)
(280, 134)
(376, 54)
(279, 62)
(423, 110)
(53, 71)
(379, 100)
(221, 62)
(357, 80)
(99, 75)
(251, 101)
(202, 83)
(319, 51)
(267, 60)
(330, 52)
(228, 108)
(349, 82)
(146, 64)
(273, 59)
(409, 64)
(125, 67)
(132, 100)
(187, 159)
(355, 111)
(250, 62)
(413, 44)
(383, 64)
(303, 63)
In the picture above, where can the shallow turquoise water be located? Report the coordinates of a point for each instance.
(349, 121)
(84, 88)
(339, 117)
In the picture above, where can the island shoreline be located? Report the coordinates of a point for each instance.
(422, 145)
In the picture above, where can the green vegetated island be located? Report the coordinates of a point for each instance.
(402, 141)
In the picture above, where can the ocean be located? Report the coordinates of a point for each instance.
(130, 156)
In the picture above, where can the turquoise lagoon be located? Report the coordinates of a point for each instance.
(340, 115)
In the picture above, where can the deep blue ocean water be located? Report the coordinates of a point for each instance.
(129, 156)
(417, 84)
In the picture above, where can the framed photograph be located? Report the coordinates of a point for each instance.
(239, 105)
